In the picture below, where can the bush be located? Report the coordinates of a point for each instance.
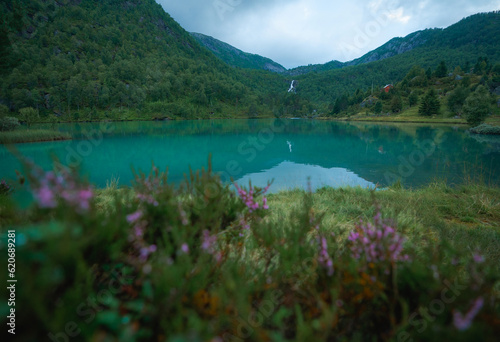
(477, 106)
(8, 124)
(4, 111)
(5, 188)
(28, 115)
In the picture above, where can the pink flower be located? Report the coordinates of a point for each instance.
(208, 242)
(478, 258)
(45, 197)
(185, 248)
(463, 322)
(134, 217)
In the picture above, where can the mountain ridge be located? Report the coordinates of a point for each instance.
(236, 57)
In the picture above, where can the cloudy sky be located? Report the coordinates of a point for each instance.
(301, 32)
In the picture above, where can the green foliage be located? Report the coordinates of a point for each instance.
(236, 57)
(5, 188)
(441, 70)
(477, 106)
(32, 135)
(456, 99)
(430, 104)
(413, 99)
(377, 109)
(28, 115)
(4, 111)
(396, 104)
(8, 123)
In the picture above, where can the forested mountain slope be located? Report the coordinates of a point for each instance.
(79, 59)
(62, 56)
(236, 57)
(458, 45)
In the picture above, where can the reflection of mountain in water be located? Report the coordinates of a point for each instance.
(289, 175)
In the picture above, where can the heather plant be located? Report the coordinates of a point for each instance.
(5, 188)
(204, 261)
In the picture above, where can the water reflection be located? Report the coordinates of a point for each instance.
(289, 175)
(290, 151)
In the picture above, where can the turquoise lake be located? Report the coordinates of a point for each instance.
(289, 151)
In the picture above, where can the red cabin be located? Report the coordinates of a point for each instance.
(388, 87)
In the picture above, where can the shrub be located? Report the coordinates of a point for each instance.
(477, 106)
(4, 111)
(5, 188)
(8, 124)
(28, 115)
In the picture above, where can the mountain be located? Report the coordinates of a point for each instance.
(477, 31)
(460, 45)
(110, 58)
(236, 57)
(128, 59)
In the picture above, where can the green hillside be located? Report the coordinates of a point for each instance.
(79, 58)
(121, 60)
(236, 57)
(458, 45)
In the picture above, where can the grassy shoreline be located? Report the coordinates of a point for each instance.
(32, 135)
(466, 214)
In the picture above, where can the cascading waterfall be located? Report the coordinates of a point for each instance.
(292, 87)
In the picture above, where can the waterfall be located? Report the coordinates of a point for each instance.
(292, 87)
(289, 145)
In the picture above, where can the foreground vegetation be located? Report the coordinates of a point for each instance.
(204, 262)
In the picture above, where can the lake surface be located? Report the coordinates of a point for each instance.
(288, 151)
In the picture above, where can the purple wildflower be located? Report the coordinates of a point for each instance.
(134, 217)
(264, 204)
(478, 258)
(463, 322)
(324, 258)
(185, 248)
(45, 197)
(376, 242)
(208, 242)
(249, 198)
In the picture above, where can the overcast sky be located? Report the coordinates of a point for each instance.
(301, 32)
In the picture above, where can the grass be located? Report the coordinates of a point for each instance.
(32, 135)
(468, 216)
(410, 115)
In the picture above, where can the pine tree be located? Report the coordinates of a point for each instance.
(430, 104)
(441, 70)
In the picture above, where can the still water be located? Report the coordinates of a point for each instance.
(294, 153)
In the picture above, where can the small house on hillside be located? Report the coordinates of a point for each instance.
(388, 87)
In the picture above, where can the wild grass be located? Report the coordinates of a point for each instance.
(32, 135)
(467, 216)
